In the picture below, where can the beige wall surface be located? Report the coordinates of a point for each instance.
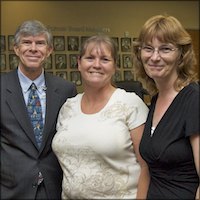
(112, 17)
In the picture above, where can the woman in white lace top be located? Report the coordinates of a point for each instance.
(99, 131)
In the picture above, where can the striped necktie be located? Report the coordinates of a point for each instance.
(35, 113)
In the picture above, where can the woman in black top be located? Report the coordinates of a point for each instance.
(164, 58)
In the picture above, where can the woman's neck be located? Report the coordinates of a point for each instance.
(95, 99)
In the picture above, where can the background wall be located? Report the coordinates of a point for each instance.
(118, 16)
(83, 18)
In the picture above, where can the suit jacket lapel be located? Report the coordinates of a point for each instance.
(15, 100)
(53, 102)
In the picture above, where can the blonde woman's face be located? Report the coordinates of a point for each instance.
(97, 65)
(160, 60)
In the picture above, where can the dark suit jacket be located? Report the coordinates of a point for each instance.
(21, 160)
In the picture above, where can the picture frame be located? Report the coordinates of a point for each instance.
(117, 76)
(60, 61)
(73, 61)
(75, 77)
(48, 63)
(128, 75)
(119, 61)
(3, 43)
(83, 38)
(116, 41)
(126, 44)
(50, 72)
(11, 42)
(134, 39)
(13, 61)
(127, 61)
(3, 62)
(62, 74)
(59, 43)
(73, 43)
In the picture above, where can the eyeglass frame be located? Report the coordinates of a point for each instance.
(152, 50)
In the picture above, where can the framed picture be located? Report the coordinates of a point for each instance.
(128, 75)
(75, 77)
(10, 42)
(59, 43)
(62, 74)
(3, 43)
(13, 61)
(117, 76)
(116, 40)
(60, 61)
(127, 61)
(118, 61)
(73, 61)
(3, 62)
(50, 72)
(126, 44)
(83, 38)
(73, 43)
(48, 63)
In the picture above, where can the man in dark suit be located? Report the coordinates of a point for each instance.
(29, 170)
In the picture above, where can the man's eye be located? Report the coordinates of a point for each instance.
(26, 42)
(40, 43)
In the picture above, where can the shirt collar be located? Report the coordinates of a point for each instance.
(26, 82)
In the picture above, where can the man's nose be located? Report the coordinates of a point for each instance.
(33, 46)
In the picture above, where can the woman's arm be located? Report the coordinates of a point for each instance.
(194, 140)
(143, 183)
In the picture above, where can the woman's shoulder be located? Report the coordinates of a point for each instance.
(192, 89)
(74, 99)
(194, 86)
(71, 105)
(129, 96)
(70, 102)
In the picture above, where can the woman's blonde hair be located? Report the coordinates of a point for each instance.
(166, 29)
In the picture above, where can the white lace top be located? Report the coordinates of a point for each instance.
(95, 150)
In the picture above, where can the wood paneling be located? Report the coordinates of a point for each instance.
(195, 39)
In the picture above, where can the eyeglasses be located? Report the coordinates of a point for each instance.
(162, 50)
